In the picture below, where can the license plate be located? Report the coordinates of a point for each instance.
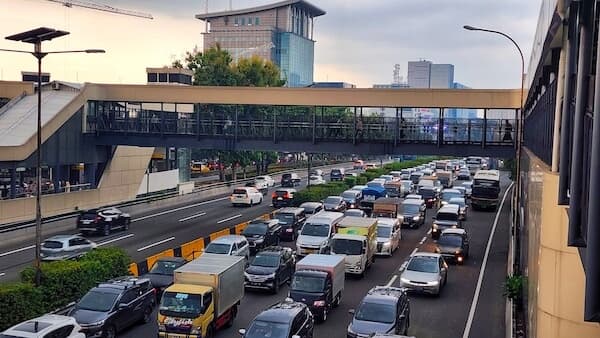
(255, 284)
(280, 198)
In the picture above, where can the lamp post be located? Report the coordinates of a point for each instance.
(519, 137)
(36, 37)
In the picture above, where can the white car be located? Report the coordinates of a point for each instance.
(270, 182)
(388, 235)
(246, 195)
(46, 326)
(232, 245)
(316, 180)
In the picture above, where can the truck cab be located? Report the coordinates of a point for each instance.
(356, 240)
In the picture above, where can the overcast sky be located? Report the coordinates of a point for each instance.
(357, 41)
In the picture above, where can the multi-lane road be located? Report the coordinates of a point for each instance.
(454, 314)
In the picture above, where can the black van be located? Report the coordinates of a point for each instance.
(291, 220)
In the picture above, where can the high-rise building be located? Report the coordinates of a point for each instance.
(441, 76)
(419, 74)
(281, 32)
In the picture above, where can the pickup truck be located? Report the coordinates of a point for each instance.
(370, 194)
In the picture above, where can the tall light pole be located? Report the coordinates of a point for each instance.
(36, 37)
(519, 137)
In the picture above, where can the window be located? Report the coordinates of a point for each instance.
(236, 21)
(78, 241)
(129, 296)
(206, 302)
(62, 332)
(243, 21)
(256, 21)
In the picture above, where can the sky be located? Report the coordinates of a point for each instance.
(356, 41)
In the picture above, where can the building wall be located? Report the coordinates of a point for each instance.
(441, 76)
(419, 74)
(296, 59)
(554, 271)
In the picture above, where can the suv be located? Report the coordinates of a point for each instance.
(62, 247)
(311, 208)
(384, 309)
(291, 220)
(453, 245)
(270, 268)
(447, 217)
(337, 174)
(414, 212)
(44, 327)
(290, 180)
(262, 233)
(285, 319)
(102, 221)
(283, 197)
(233, 245)
(115, 305)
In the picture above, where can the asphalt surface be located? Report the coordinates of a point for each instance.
(431, 317)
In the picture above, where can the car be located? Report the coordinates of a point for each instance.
(161, 273)
(262, 233)
(425, 272)
(407, 187)
(270, 182)
(272, 267)
(311, 208)
(233, 245)
(384, 309)
(337, 174)
(115, 305)
(397, 174)
(415, 177)
(370, 166)
(334, 203)
(63, 247)
(358, 165)
(463, 175)
(387, 178)
(447, 217)
(246, 195)
(286, 319)
(453, 245)
(46, 326)
(413, 197)
(377, 182)
(462, 190)
(290, 180)
(260, 186)
(462, 207)
(358, 187)
(355, 213)
(102, 221)
(352, 198)
(291, 220)
(316, 180)
(388, 235)
(468, 188)
(414, 212)
(316, 172)
(448, 194)
(283, 197)
(431, 196)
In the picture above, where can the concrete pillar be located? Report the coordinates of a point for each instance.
(56, 178)
(13, 183)
(184, 157)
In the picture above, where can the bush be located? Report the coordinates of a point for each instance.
(350, 181)
(319, 192)
(20, 301)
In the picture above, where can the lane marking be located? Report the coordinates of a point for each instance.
(229, 218)
(115, 239)
(414, 252)
(403, 266)
(423, 240)
(483, 265)
(178, 209)
(155, 244)
(429, 232)
(192, 217)
(16, 250)
(391, 282)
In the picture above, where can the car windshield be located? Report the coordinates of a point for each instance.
(458, 201)
(354, 212)
(332, 200)
(308, 284)
(423, 264)
(88, 215)
(164, 268)
(286, 176)
(426, 192)
(410, 208)
(450, 240)
(97, 300)
(262, 329)
(346, 246)
(255, 229)
(181, 304)
(446, 216)
(349, 195)
(284, 218)
(52, 244)
(383, 231)
(320, 230)
(448, 195)
(374, 184)
(375, 312)
(217, 248)
(266, 260)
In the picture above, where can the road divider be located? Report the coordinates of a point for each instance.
(192, 217)
(155, 244)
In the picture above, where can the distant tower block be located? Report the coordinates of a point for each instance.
(397, 78)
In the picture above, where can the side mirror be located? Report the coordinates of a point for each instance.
(242, 332)
(351, 311)
(122, 306)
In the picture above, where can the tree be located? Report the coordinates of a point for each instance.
(257, 72)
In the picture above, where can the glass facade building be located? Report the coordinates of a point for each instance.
(296, 59)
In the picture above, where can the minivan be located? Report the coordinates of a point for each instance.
(448, 217)
(316, 234)
(337, 174)
(290, 180)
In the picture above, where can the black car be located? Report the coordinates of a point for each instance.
(453, 245)
(115, 305)
(283, 197)
(448, 217)
(161, 273)
(336, 174)
(290, 180)
(413, 213)
(284, 319)
(291, 220)
(270, 268)
(430, 195)
(383, 310)
(262, 233)
(464, 175)
(102, 221)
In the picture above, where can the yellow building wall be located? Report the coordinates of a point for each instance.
(120, 182)
(556, 280)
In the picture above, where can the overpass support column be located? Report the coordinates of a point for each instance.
(314, 125)
(396, 134)
(440, 136)
(484, 131)
(89, 171)
(184, 156)
(56, 177)
(13, 183)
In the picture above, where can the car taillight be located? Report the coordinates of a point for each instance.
(274, 195)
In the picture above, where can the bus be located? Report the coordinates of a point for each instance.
(486, 189)
(475, 163)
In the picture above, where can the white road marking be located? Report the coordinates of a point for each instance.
(155, 244)
(391, 282)
(177, 209)
(414, 252)
(16, 250)
(483, 265)
(115, 239)
(423, 240)
(403, 266)
(429, 232)
(229, 218)
(192, 217)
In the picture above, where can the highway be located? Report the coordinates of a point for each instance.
(431, 317)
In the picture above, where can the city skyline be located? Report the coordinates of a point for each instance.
(362, 54)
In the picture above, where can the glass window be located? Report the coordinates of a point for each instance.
(236, 21)
(375, 312)
(97, 301)
(257, 21)
(243, 21)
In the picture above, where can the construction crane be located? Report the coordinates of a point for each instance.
(100, 7)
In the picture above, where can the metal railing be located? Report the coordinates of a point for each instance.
(539, 125)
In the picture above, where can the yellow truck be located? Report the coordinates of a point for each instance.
(356, 240)
(204, 297)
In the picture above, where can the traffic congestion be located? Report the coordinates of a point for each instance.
(306, 257)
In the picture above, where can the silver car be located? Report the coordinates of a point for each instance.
(232, 245)
(426, 272)
(62, 247)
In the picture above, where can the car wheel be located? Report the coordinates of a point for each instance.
(147, 316)
(276, 286)
(260, 201)
(232, 316)
(106, 230)
(324, 315)
(209, 331)
(126, 225)
(251, 203)
(110, 332)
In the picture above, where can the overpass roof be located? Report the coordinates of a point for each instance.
(314, 10)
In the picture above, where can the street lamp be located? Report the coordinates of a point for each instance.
(36, 37)
(519, 123)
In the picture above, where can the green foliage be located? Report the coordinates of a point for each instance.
(256, 72)
(350, 181)
(62, 282)
(513, 287)
(319, 192)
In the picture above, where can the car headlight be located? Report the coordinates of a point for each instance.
(435, 226)
(401, 218)
(247, 275)
(416, 218)
(96, 324)
(437, 250)
(319, 303)
(457, 252)
(387, 244)
(196, 330)
(434, 283)
(323, 244)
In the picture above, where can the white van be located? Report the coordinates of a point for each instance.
(317, 231)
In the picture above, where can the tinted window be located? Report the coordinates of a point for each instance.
(78, 241)
(320, 230)
(164, 267)
(308, 284)
(346, 247)
(410, 208)
(332, 200)
(129, 296)
(424, 264)
(180, 304)
(286, 176)
(256, 229)
(218, 248)
(373, 312)
(88, 215)
(262, 329)
(446, 216)
(450, 240)
(240, 192)
(32, 327)
(97, 300)
(52, 244)
(266, 260)
(349, 194)
(285, 219)
(384, 231)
